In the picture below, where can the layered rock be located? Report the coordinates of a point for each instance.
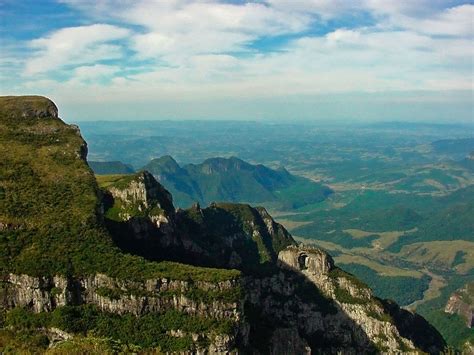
(44, 294)
(323, 308)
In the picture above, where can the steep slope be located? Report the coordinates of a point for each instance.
(141, 216)
(70, 270)
(234, 180)
(56, 254)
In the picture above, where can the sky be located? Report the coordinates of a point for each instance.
(317, 60)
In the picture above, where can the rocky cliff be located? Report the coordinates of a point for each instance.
(85, 264)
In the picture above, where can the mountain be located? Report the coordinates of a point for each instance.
(117, 268)
(234, 180)
(110, 167)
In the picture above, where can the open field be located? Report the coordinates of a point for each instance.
(456, 254)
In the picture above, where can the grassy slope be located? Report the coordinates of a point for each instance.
(50, 225)
(49, 199)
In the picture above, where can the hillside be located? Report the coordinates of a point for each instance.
(234, 180)
(94, 269)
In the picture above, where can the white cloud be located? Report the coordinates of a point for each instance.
(424, 16)
(200, 50)
(91, 73)
(74, 45)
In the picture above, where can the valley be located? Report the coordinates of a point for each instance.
(400, 212)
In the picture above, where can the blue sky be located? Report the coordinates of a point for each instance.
(322, 60)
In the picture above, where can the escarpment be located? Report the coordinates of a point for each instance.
(117, 260)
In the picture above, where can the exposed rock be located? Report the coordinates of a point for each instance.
(461, 302)
(44, 294)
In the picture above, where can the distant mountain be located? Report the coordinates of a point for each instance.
(232, 179)
(110, 167)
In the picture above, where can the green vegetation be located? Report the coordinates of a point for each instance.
(108, 180)
(338, 272)
(234, 180)
(451, 326)
(145, 332)
(342, 295)
(50, 203)
(403, 290)
(399, 184)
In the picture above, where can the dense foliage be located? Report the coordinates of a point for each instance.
(146, 332)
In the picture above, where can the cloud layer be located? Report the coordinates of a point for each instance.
(200, 51)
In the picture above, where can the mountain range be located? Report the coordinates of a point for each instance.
(112, 266)
(227, 179)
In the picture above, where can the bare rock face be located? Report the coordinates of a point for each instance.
(44, 294)
(146, 205)
(311, 261)
(461, 302)
(321, 307)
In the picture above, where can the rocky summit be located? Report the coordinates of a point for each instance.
(113, 266)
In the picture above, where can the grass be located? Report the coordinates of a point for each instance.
(384, 270)
(50, 201)
(150, 331)
(107, 180)
(434, 290)
(441, 255)
(290, 225)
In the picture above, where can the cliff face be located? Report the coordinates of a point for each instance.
(141, 216)
(45, 294)
(78, 247)
(461, 302)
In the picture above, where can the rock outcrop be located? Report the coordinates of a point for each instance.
(324, 308)
(461, 302)
(44, 294)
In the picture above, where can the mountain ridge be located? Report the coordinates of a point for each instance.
(232, 179)
(65, 274)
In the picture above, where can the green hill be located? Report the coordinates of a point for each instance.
(234, 180)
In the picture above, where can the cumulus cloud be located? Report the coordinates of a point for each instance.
(200, 50)
(74, 46)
